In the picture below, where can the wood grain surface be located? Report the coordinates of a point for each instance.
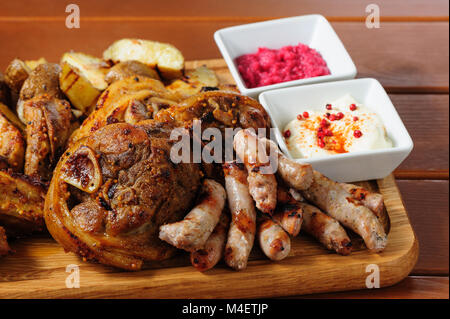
(38, 269)
(232, 9)
(375, 53)
(426, 202)
(408, 54)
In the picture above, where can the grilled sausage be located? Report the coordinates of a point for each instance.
(325, 229)
(261, 181)
(207, 257)
(241, 235)
(273, 240)
(288, 214)
(296, 175)
(332, 198)
(194, 230)
(373, 201)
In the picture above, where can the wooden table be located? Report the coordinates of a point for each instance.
(408, 54)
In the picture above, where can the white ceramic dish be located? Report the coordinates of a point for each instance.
(312, 30)
(283, 105)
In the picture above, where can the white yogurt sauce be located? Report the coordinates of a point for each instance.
(318, 134)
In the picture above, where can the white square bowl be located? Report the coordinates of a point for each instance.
(312, 30)
(284, 105)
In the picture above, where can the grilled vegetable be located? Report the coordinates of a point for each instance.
(33, 64)
(194, 81)
(165, 57)
(82, 79)
(15, 75)
(126, 69)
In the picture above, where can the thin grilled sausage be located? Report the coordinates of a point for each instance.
(194, 230)
(288, 214)
(325, 229)
(332, 198)
(296, 175)
(261, 181)
(207, 257)
(273, 240)
(373, 201)
(242, 231)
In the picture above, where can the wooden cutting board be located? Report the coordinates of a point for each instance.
(38, 268)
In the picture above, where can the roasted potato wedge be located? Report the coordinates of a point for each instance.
(44, 79)
(126, 69)
(91, 68)
(15, 75)
(80, 92)
(33, 64)
(21, 203)
(193, 82)
(165, 57)
(82, 79)
(12, 143)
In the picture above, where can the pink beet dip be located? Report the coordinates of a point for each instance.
(268, 66)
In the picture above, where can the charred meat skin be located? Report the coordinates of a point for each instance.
(141, 190)
(12, 144)
(21, 203)
(114, 103)
(217, 109)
